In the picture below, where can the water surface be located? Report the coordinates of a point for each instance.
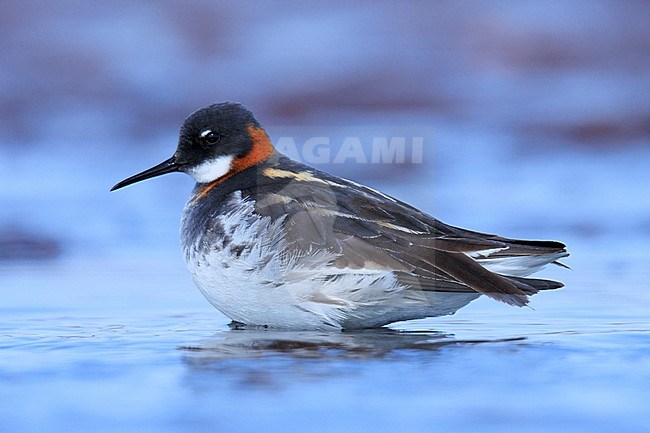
(127, 352)
(534, 119)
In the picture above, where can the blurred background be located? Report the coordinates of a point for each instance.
(535, 114)
(535, 118)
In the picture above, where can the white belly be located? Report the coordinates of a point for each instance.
(243, 269)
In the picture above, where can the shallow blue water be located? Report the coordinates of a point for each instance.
(535, 125)
(103, 351)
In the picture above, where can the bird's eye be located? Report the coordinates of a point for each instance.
(210, 137)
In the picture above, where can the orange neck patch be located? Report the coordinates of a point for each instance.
(261, 151)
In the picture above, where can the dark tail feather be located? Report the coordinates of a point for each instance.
(530, 286)
(517, 247)
(469, 272)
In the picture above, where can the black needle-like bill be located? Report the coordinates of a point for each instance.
(168, 166)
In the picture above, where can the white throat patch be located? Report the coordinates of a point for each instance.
(211, 169)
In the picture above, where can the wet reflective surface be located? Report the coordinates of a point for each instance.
(534, 122)
(128, 352)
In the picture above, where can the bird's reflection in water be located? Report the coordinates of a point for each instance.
(272, 358)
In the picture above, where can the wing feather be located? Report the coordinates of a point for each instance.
(366, 229)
